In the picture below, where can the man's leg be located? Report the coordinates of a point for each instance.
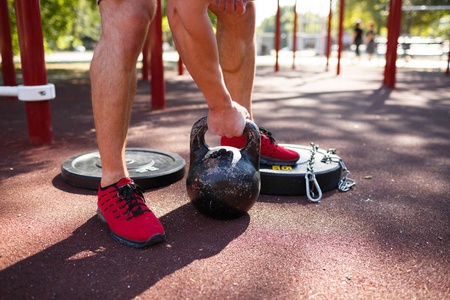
(113, 79)
(121, 202)
(237, 53)
(236, 44)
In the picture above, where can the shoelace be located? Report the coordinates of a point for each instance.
(267, 133)
(132, 193)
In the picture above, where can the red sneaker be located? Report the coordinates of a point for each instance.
(271, 152)
(122, 207)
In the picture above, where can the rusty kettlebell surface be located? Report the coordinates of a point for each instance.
(223, 182)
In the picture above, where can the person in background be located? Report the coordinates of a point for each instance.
(358, 36)
(370, 40)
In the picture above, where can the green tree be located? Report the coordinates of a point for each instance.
(286, 24)
(12, 18)
(58, 18)
(366, 10)
(421, 23)
(427, 22)
(67, 23)
(86, 28)
(286, 19)
(64, 22)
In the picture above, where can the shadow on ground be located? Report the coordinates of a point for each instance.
(90, 263)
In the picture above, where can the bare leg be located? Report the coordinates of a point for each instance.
(195, 41)
(113, 79)
(236, 43)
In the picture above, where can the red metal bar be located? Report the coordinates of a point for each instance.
(29, 26)
(387, 68)
(330, 17)
(145, 52)
(180, 66)
(277, 36)
(8, 71)
(158, 86)
(388, 65)
(341, 33)
(394, 23)
(294, 43)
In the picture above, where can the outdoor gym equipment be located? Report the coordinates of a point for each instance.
(29, 93)
(223, 182)
(148, 168)
(316, 171)
(35, 90)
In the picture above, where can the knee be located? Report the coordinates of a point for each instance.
(242, 25)
(133, 33)
(133, 39)
(126, 27)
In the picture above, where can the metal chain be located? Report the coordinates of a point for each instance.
(310, 177)
(345, 183)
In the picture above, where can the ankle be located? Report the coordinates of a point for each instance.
(110, 179)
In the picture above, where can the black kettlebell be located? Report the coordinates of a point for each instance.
(223, 182)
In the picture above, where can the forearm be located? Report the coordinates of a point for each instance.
(195, 41)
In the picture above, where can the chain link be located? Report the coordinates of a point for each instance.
(345, 183)
(310, 177)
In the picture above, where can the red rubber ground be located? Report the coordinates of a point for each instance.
(387, 238)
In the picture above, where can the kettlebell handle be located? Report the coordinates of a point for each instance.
(251, 131)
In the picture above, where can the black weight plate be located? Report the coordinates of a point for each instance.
(148, 168)
(290, 180)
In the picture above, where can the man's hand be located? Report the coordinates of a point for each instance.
(229, 121)
(231, 6)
